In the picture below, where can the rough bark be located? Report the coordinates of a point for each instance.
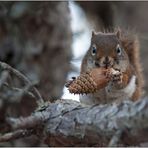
(67, 123)
(99, 124)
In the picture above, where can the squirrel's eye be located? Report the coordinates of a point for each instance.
(93, 50)
(118, 50)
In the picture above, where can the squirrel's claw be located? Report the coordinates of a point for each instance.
(117, 78)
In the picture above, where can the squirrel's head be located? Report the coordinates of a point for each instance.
(106, 50)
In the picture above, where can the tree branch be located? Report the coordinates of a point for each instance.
(67, 123)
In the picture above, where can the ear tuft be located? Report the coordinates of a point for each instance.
(93, 33)
(118, 33)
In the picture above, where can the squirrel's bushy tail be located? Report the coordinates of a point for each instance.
(131, 44)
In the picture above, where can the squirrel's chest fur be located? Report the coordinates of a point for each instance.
(109, 94)
(124, 93)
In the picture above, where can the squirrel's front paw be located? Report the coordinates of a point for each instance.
(117, 80)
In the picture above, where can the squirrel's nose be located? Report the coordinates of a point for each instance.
(106, 61)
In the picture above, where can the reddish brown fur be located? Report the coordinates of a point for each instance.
(131, 45)
(126, 76)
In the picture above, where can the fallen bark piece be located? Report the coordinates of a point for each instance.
(91, 81)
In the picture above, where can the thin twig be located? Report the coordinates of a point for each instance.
(115, 139)
(22, 91)
(5, 66)
(3, 78)
(28, 122)
(15, 135)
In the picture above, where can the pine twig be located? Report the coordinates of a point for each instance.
(8, 68)
(28, 122)
(4, 76)
(16, 135)
(20, 91)
(115, 139)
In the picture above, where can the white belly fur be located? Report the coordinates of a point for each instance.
(126, 92)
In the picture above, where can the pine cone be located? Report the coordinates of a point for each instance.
(91, 81)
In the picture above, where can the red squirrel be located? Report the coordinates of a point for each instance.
(118, 50)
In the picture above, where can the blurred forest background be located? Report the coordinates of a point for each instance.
(36, 38)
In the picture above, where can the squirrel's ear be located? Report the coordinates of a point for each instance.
(93, 33)
(118, 33)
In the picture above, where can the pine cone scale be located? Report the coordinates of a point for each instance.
(91, 81)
